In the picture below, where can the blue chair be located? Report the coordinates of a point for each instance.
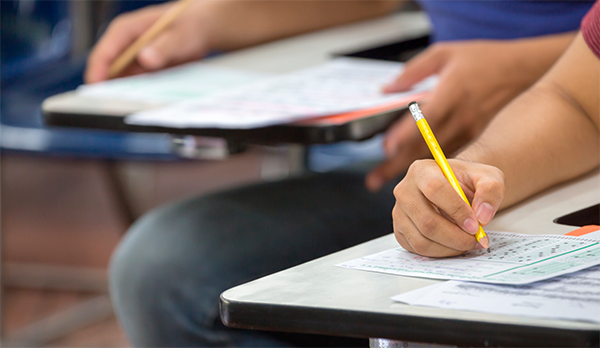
(32, 71)
(23, 131)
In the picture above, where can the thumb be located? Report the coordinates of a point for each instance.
(489, 193)
(423, 65)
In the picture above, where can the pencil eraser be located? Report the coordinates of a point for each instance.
(411, 103)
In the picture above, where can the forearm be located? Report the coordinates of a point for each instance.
(238, 24)
(550, 133)
(538, 54)
(534, 147)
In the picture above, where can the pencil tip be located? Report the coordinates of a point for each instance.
(485, 243)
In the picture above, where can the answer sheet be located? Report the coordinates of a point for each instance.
(189, 81)
(515, 259)
(574, 296)
(339, 86)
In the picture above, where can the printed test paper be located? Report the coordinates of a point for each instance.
(339, 86)
(515, 259)
(186, 82)
(574, 296)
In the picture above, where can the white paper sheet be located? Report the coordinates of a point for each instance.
(339, 86)
(515, 259)
(189, 81)
(574, 296)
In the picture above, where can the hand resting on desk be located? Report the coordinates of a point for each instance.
(477, 79)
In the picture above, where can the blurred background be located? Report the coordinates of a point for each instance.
(67, 196)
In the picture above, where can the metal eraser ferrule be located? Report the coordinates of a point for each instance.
(415, 111)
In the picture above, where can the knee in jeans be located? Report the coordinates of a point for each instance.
(137, 276)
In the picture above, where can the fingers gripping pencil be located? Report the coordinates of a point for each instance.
(442, 162)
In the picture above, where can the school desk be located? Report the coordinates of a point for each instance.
(394, 37)
(316, 297)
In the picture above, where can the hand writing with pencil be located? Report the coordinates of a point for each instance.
(184, 40)
(546, 136)
(430, 217)
(215, 25)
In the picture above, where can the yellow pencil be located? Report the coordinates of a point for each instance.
(159, 26)
(441, 160)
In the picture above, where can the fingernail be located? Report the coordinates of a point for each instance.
(479, 246)
(388, 89)
(471, 226)
(395, 87)
(150, 58)
(485, 212)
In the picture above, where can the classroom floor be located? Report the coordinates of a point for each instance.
(60, 212)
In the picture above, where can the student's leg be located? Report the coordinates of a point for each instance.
(167, 274)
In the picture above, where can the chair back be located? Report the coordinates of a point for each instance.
(22, 128)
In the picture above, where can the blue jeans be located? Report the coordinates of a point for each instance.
(168, 272)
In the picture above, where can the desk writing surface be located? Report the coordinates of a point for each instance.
(315, 48)
(73, 110)
(317, 297)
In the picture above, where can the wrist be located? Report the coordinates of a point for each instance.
(475, 153)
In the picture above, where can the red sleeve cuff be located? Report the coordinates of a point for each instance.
(590, 28)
